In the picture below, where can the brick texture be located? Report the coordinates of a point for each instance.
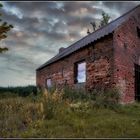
(126, 54)
(109, 62)
(98, 57)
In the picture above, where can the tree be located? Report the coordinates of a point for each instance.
(4, 28)
(88, 32)
(105, 19)
(93, 25)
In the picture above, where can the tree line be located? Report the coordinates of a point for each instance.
(19, 91)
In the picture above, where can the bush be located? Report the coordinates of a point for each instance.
(74, 94)
(50, 102)
(108, 98)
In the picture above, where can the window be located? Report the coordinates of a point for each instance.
(80, 72)
(48, 83)
(138, 31)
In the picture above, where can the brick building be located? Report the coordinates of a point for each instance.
(105, 58)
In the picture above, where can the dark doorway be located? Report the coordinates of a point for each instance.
(137, 82)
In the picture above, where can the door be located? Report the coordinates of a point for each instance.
(137, 82)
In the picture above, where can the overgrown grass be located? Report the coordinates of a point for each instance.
(69, 114)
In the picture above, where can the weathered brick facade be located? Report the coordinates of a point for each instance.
(98, 66)
(109, 62)
(126, 54)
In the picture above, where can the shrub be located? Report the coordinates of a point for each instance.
(108, 98)
(50, 101)
(52, 89)
(74, 94)
(80, 107)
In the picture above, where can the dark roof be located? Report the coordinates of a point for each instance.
(109, 28)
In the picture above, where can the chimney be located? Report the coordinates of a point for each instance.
(61, 49)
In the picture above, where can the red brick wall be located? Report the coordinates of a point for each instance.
(109, 61)
(125, 56)
(99, 66)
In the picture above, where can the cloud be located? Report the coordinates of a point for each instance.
(41, 28)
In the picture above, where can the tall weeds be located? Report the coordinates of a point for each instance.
(18, 113)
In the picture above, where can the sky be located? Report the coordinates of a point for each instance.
(81, 77)
(41, 28)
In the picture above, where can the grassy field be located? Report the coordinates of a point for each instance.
(55, 116)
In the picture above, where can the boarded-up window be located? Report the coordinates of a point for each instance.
(48, 83)
(80, 72)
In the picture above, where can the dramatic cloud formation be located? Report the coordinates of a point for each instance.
(41, 28)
